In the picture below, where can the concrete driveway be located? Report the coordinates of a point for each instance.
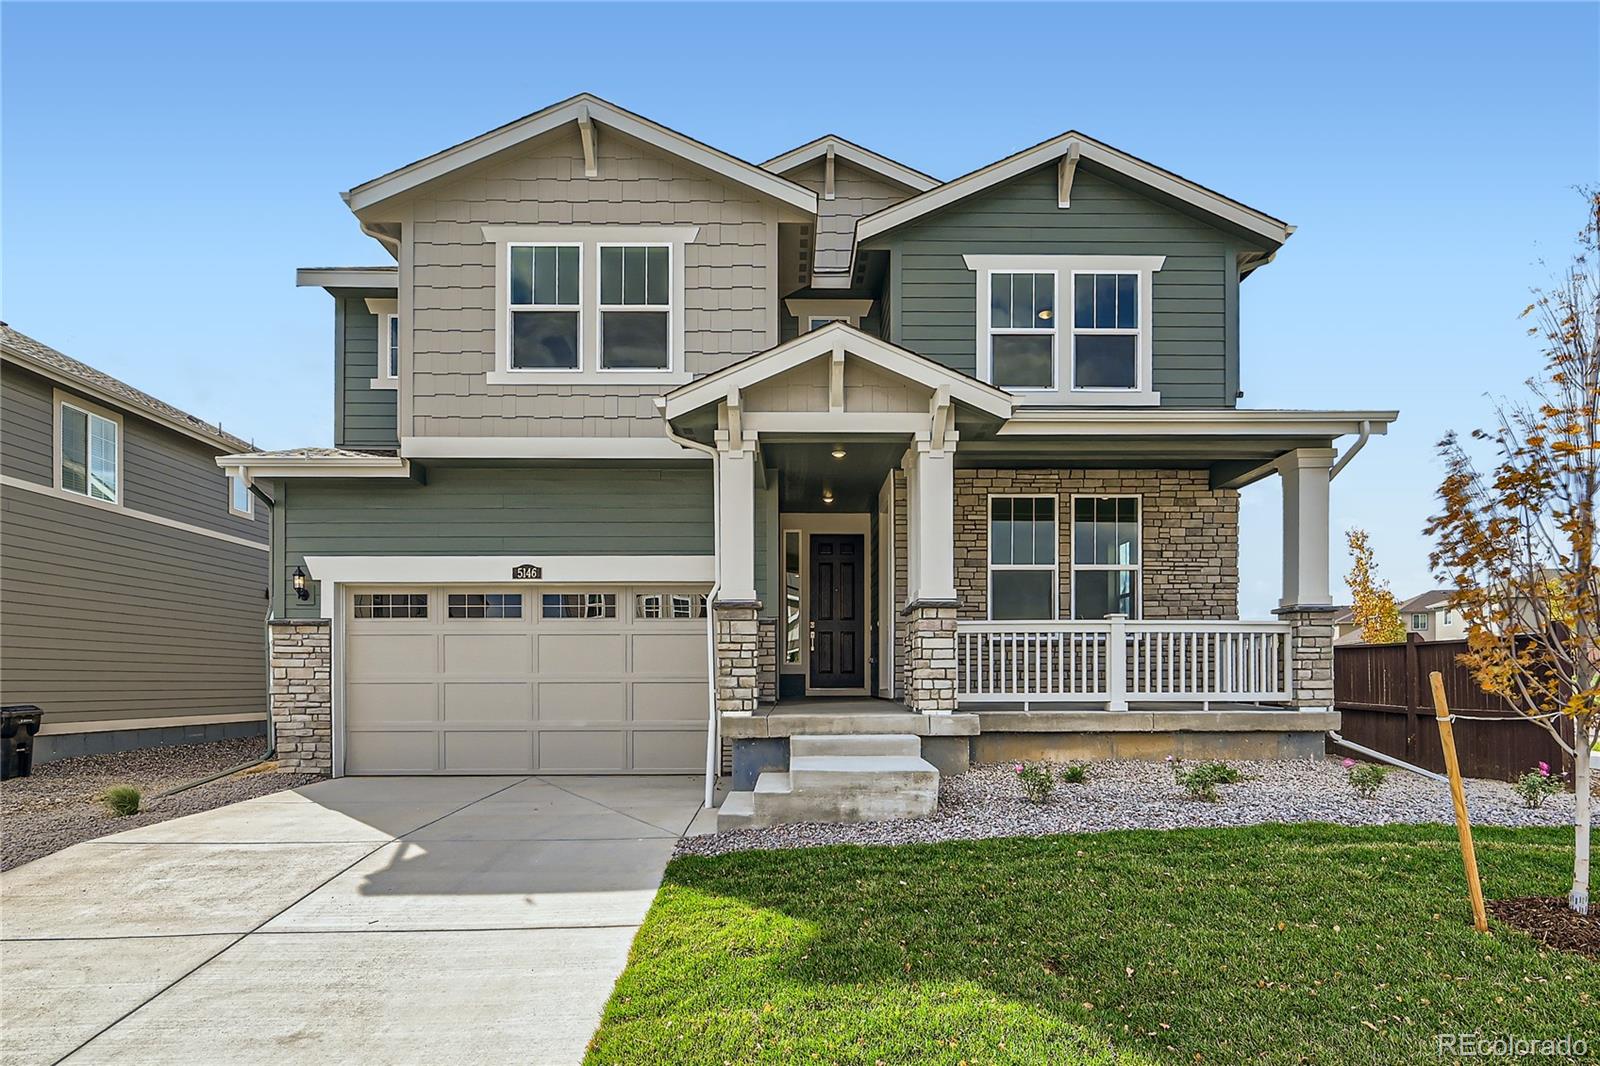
(377, 920)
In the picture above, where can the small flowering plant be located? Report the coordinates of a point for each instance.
(1365, 777)
(1535, 785)
(1036, 779)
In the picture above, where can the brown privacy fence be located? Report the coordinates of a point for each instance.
(1382, 692)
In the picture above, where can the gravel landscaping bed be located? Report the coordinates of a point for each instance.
(58, 805)
(987, 801)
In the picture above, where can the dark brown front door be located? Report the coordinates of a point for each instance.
(837, 629)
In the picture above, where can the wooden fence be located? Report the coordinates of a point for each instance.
(1382, 692)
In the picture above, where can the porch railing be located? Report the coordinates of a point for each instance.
(1118, 660)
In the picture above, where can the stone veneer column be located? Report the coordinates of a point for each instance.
(738, 637)
(767, 656)
(930, 656)
(1311, 655)
(302, 694)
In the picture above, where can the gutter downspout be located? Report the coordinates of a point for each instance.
(1361, 442)
(714, 723)
(1333, 735)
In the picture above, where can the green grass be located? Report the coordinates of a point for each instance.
(1275, 944)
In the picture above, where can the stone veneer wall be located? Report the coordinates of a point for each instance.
(302, 694)
(1311, 655)
(930, 656)
(738, 668)
(1189, 531)
(767, 658)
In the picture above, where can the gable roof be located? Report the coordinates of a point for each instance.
(43, 359)
(851, 152)
(583, 107)
(1273, 230)
(1431, 600)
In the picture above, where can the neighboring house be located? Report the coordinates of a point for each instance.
(1430, 616)
(972, 446)
(1346, 630)
(133, 571)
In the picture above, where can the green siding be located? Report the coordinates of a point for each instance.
(573, 510)
(766, 551)
(1196, 345)
(364, 417)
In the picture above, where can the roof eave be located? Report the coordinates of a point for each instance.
(855, 154)
(378, 277)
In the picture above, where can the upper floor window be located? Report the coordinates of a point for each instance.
(1105, 331)
(1022, 330)
(389, 347)
(89, 458)
(545, 306)
(1419, 622)
(635, 307)
(240, 502)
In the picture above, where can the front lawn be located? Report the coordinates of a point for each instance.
(1278, 944)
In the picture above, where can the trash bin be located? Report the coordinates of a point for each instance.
(18, 724)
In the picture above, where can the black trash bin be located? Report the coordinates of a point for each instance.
(18, 725)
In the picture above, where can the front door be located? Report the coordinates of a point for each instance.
(838, 632)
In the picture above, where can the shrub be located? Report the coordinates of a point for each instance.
(1036, 779)
(1076, 774)
(1535, 785)
(1366, 777)
(1201, 781)
(121, 800)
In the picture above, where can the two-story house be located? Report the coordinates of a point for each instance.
(641, 448)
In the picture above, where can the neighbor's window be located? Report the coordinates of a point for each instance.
(579, 605)
(635, 307)
(1419, 622)
(485, 605)
(1446, 618)
(544, 306)
(89, 454)
(669, 605)
(1022, 330)
(791, 595)
(1022, 557)
(1105, 556)
(240, 502)
(1105, 331)
(391, 605)
(389, 346)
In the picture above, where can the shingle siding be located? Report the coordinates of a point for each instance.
(857, 193)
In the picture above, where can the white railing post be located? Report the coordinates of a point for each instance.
(1117, 663)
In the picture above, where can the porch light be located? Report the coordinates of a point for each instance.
(300, 590)
(838, 451)
(827, 496)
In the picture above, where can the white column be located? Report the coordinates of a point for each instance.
(930, 535)
(736, 522)
(1304, 473)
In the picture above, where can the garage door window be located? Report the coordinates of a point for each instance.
(580, 605)
(485, 605)
(670, 605)
(391, 605)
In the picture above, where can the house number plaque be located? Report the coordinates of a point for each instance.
(526, 572)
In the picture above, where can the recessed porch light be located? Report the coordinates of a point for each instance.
(827, 495)
(838, 451)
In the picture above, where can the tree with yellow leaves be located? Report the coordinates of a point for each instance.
(1517, 542)
(1372, 603)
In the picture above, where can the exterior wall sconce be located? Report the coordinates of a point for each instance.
(301, 593)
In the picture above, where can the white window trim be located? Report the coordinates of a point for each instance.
(1054, 332)
(850, 312)
(589, 238)
(1073, 566)
(1141, 333)
(991, 566)
(504, 326)
(231, 479)
(66, 399)
(673, 311)
(385, 310)
(1066, 266)
(1419, 621)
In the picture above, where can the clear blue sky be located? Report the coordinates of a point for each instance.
(165, 169)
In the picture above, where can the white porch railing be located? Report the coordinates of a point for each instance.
(1117, 660)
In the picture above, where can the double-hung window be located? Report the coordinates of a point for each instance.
(1105, 556)
(1022, 557)
(1022, 330)
(635, 306)
(1105, 331)
(545, 306)
(90, 453)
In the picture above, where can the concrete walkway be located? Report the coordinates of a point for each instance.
(374, 920)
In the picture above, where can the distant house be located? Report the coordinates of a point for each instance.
(134, 568)
(1428, 615)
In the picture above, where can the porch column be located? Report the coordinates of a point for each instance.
(734, 615)
(930, 612)
(1306, 603)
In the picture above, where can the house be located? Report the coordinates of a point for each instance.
(134, 570)
(1430, 616)
(645, 453)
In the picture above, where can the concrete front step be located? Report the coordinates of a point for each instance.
(868, 744)
(817, 773)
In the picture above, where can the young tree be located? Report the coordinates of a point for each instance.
(1372, 604)
(1517, 542)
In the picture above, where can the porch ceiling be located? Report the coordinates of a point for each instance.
(804, 470)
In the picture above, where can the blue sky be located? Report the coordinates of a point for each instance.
(165, 169)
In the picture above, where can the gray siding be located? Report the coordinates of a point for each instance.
(622, 509)
(364, 417)
(27, 426)
(109, 618)
(857, 193)
(1196, 343)
(729, 279)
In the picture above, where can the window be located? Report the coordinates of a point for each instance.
(579, 605)
(485, 605)
(1022, 557)
(90, 453)
(240, 501)
(1419, 622)
(391, 605)
(635, 307)
(545, 306)
(1022, 330)
(1105, 556)
(818, 321)
(389, 347)
(791, 596)
(670, 605)
(1445, 620)
(1105, 331)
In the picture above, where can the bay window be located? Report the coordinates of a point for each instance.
(1105, 556)
(1022, 558)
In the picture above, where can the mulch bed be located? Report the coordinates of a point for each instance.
(1551, 922)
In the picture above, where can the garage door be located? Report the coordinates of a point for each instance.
(513, 679)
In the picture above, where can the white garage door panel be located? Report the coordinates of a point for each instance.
(528, 694)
